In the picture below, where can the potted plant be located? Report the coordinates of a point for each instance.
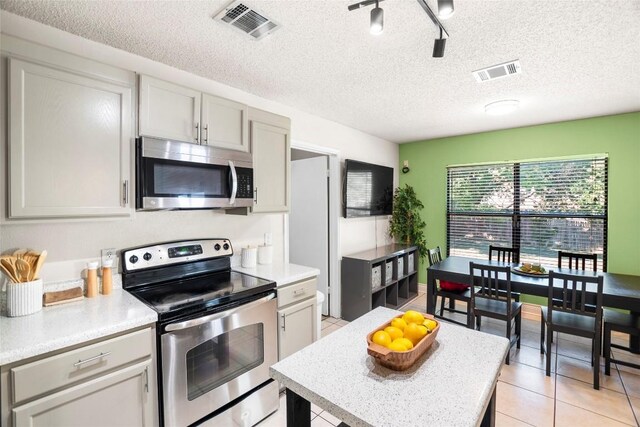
(406, 225)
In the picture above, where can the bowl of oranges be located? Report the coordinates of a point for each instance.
(401, 341)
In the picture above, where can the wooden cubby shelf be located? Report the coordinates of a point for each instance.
(363, 288)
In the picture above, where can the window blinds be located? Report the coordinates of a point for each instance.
(538, 207)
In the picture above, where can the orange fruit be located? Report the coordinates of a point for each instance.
(399, 323)
(382, 338)
(412, 316)
(393, 332)
(398, 345)
(415, 332)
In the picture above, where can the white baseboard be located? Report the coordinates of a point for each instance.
(422, 288)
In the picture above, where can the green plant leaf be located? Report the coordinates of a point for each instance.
(406, 225)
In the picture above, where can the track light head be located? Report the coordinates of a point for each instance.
(377, 16)
(438, 47)
(445, 9)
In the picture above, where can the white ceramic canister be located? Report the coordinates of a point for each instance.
(265, 254)
(24, 298)
(249, 257)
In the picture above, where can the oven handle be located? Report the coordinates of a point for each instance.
(201, 320)
(234, 183)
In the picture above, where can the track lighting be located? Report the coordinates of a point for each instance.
(445, 9)
(438, 46)
(376, 20)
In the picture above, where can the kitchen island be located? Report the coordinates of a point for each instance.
(452, 384)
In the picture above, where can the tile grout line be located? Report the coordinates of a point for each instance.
(625, 389)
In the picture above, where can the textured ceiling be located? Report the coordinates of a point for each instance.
(579, 58)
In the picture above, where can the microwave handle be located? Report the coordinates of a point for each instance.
(234, 183)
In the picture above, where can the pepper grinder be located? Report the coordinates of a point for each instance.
(92, 279)
(107, 279)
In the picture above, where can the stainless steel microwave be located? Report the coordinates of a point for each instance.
(180, 175)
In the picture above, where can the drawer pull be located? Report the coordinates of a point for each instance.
(91, 359)
(299, 292)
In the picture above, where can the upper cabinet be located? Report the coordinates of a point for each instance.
(70, 130)
(183, 114)
(271, 148)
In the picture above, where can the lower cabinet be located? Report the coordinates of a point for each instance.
(120, 398)
(107, 383)
(297, 317)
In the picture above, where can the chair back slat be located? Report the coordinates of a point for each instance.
(504, 254)
(487, 280)
(577, 261)
(575, 292)
(434, 256)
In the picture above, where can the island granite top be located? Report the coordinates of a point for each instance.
(451, 384)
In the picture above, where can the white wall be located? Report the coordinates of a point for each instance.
(79, 240)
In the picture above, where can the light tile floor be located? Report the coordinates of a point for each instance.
(525, 395)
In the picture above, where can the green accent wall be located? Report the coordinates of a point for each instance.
(618, 136)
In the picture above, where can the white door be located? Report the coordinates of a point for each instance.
(169, 111)
(69, 143)
(296, 327)
(271, 151)
(225, 123)
(309, 219)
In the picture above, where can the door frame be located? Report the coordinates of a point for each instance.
(334, 217)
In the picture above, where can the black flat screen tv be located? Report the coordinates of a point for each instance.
(367, 189)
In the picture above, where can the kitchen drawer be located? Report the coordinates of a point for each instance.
(66, 368)
(297, 292)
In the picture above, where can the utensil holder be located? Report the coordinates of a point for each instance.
(249, 257)
(265, 254)
(24, 298)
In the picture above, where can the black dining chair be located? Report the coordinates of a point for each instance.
(505, 254)
(577, 261)
(495, 301)
(567, 311)
(453, 291)
(619, 322)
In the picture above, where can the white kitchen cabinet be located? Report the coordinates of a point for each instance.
(120, 398)
(180, 113)
(297, 317)
(224, 123)
(169, 111)
(69, 142)
(271, 148)
(111, 382)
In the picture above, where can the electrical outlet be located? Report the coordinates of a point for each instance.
(108, 254)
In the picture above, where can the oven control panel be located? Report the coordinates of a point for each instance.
(164, 254)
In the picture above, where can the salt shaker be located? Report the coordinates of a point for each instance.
(92, 279)
(107, 279)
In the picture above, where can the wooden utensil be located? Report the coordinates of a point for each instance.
(19, 253)
(38, 266)
(23, 269)
(8, 266)
(8, 270)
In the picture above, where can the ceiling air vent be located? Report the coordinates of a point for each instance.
(247, 19)
(497, 71)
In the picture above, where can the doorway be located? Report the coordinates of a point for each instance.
(312, 226)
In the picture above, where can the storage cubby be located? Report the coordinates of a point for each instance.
(381, 277)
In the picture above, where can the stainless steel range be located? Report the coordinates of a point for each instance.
(217, 332)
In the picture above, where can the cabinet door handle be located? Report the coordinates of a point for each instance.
(206, 134)
(125, 192)
(146, 380)
(91, 359)
(198, 133)
(284, 322)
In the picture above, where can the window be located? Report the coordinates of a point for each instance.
(538, 207)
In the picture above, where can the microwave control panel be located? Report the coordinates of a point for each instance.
(245, 183)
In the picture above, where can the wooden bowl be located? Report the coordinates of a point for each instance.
(400, 360)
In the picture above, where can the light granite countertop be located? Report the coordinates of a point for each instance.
(64, 325)
(281, 273)
(451, 385)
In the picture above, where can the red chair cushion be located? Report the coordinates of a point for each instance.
(452, 287)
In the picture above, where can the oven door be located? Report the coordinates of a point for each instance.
(209, 361)
(180, 175)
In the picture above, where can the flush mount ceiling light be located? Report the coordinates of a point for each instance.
(499, 108)
(445, 9)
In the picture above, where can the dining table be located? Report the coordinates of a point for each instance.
(620, 291)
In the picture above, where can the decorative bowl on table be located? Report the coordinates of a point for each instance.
(393, 356)
(531, 270)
